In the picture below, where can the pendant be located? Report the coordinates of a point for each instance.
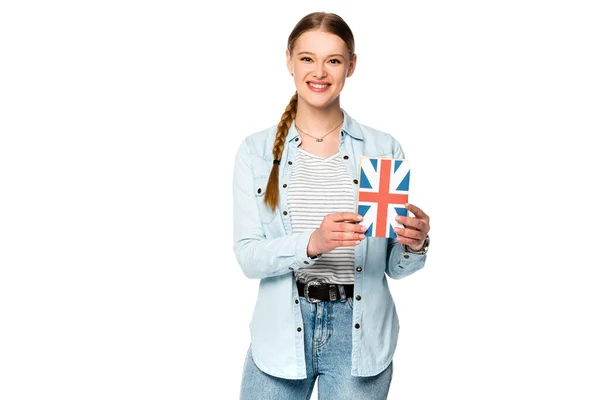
(319, 139)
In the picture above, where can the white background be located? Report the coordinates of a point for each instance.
(119, 122)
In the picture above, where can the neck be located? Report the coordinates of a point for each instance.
(318, 121)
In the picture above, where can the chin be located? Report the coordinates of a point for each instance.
(318, 101)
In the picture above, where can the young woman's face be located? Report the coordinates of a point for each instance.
(320, 63)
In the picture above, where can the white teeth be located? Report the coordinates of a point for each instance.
(318, 86)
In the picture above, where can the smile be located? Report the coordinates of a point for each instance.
(318, 87)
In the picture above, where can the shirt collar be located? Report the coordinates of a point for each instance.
(349, 127)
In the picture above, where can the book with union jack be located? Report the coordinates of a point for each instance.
(382, 194)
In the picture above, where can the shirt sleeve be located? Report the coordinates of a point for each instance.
(401, 263)
(259, 256)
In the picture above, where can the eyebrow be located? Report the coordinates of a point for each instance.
(313, 54)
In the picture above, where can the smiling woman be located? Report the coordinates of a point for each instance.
(320, 63)
(324, 309)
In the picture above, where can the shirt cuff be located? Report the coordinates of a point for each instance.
(302, 258)
(407, 255)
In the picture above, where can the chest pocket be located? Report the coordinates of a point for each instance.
(260, 187)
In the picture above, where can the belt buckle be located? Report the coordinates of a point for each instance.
(306, 287)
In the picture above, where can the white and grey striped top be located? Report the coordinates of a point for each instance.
(320, 186)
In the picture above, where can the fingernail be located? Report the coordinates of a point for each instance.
(362, 236)
(360, 218)
(363, 228)
(357, 242)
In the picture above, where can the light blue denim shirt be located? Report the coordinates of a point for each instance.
(267, 249)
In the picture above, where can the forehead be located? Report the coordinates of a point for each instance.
(320, 43)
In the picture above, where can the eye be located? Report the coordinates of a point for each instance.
(335, 61)
(305, 59)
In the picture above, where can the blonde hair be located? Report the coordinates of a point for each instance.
(327, 22)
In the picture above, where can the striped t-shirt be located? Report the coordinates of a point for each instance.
(320, 186)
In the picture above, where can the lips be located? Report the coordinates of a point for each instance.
(318, 86)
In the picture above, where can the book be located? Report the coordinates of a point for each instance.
(382, 194)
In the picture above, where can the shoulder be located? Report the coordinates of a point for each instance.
(259, 144)
(371, 134)
(375, 141)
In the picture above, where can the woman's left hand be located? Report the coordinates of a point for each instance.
(415, 228)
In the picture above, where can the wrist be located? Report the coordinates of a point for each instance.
(311, 250)
(410, 248)
(422, 250)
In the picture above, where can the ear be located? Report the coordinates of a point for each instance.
(289, 61)
(351, 67)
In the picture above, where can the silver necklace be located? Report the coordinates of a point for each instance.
(319, 139)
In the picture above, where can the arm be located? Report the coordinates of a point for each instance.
(400, 262)
(259, 256)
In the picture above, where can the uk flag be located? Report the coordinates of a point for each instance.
(382, 194)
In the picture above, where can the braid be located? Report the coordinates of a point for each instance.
(272, 192)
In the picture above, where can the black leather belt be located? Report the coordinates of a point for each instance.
(316, 292)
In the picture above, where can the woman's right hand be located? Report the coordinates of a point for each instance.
(336, 230)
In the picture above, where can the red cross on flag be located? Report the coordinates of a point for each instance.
(382, 194)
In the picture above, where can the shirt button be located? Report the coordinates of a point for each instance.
(355, 181)
(358, 297)
(259, 190)
(284, 185)
(297, 301)
(285, 213)
(406, 256)
(306, 262)
(299, 329)
(359, 269)
(346, 157)
(289, 162)
(296, 139)
(355, 325)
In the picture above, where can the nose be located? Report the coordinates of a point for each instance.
(319, 72)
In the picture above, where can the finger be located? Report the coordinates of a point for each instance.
(347, 243)
(416, 211)
(346, 216)
(410, 233)
(346, 236)
(413, 243)
(412, 222)
(347, 227)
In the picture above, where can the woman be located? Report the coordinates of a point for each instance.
(324, 307)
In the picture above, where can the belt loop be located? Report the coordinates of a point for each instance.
(342, 293)
(332, 293)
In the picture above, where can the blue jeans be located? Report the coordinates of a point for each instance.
(328, 350)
